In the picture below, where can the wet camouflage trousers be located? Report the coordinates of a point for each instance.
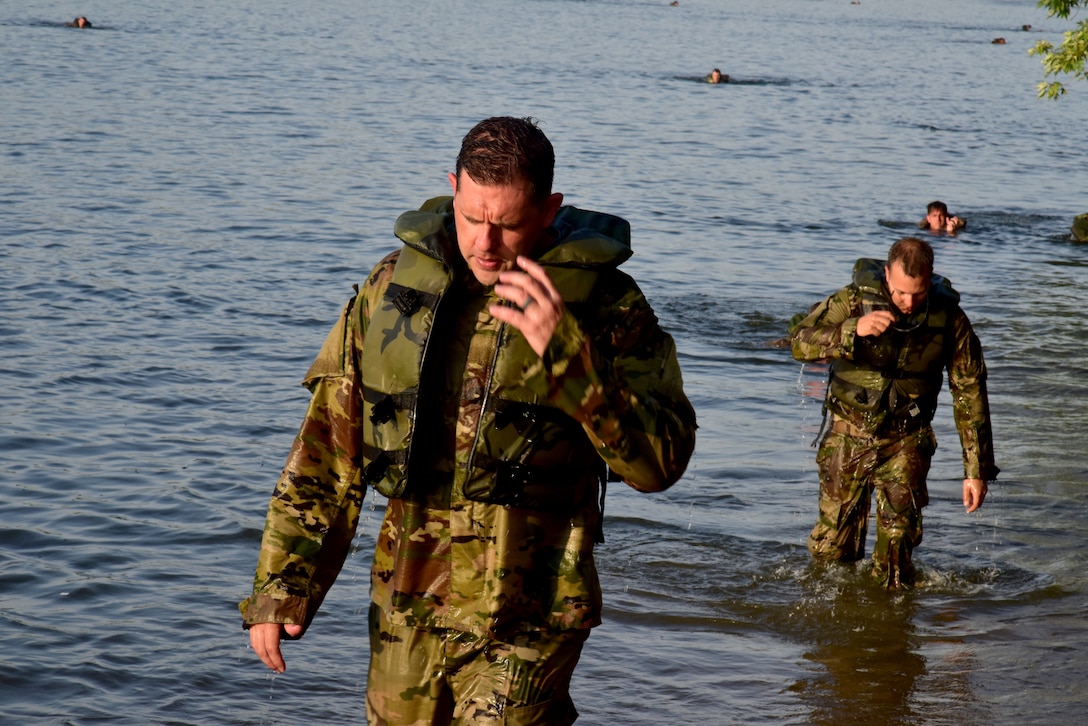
(852, 470)
(421, 677)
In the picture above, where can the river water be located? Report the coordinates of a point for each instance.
(188, 191)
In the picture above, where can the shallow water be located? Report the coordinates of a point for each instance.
(188, 191)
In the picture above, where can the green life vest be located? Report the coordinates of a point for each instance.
(893, 380)
(1079, 230)
(526, 452)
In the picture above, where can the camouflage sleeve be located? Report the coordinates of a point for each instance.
(970, 402)
(315, 507)
(617, 374)
(830, 330)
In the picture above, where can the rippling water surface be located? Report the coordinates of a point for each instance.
(188, 191)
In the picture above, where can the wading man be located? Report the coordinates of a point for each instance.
(890, 336)
(486, 378)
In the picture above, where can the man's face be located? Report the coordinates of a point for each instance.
(936, 219)
(907, 292)
(495, 224)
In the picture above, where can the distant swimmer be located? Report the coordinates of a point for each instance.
(998, 41)
(1025, 27)
(80, 22)
(716, 76)
(939, 220)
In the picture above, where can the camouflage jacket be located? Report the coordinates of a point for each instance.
(877, 383)
(446, 557)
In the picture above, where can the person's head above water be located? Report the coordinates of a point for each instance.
(936, 214)
(80, 22)
(939, 220)
(716, 76)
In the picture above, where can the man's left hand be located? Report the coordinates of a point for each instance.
(974, 492)
(540, 306)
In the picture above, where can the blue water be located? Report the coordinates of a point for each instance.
(189, 190)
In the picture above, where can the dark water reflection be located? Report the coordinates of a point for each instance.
(867, 652)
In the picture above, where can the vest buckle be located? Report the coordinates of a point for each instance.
(375, 470)
(383, 411)
(406, 301)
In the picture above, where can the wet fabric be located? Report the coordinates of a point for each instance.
(881, 399)
(854, 470)
(448, 557)
(829, 333)
(424, 676)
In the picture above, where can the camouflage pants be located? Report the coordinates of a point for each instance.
(421, 677)
(852, 469)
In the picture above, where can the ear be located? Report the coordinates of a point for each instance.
(551, 206)
(453, 183)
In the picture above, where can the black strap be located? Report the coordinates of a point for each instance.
(408, 300)
(523, 415)
(380, 461)
(514, 484)
(386, 405)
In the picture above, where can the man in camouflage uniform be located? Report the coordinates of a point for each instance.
(889, 336)
(486, 378)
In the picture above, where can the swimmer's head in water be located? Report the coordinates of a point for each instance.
(937, 215)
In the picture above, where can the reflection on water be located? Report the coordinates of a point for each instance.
(868, 661)
(864, 642)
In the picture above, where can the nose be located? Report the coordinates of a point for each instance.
(487, 236)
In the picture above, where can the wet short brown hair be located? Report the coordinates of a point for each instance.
(503, 150)
(915, 255)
